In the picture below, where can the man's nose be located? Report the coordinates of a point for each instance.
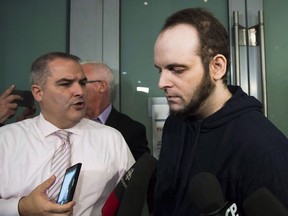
(165, 80)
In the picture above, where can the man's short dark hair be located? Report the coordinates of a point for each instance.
(40, 67)
(212, 35)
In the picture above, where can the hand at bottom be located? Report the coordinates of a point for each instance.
(37, 202)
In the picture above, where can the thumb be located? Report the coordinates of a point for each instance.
(47, 184)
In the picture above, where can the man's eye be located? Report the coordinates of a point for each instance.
(82, 83)
(65, 84)
(178, 70)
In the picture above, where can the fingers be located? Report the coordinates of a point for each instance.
(10, 104)
(7, 107)
(8, 97)
(65, 208)
(29, 111)
(37, 202)
(7, 91)
(11, 112)
(11, 98)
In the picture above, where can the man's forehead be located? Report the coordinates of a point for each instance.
(178, 40)
(61, 62)
(179, 31)
(61, 71)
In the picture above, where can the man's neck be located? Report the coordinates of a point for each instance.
(215, 102)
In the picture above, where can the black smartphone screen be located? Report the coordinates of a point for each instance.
(28, 99)
(69, 184)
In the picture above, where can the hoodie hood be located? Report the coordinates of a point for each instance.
(239, 104)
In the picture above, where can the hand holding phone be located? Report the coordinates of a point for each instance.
(27, 96)
(69, 184)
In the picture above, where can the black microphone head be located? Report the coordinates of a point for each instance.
(112, 203)
(263, 202)
(206, 192)
(133, 199)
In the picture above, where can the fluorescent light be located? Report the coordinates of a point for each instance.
(143, 89)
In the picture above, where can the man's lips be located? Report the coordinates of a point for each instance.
(79, 104)
(171, 97)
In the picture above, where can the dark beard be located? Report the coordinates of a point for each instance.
(205, 88)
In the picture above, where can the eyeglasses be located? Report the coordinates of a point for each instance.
(92, 81)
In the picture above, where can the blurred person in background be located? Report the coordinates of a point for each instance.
(100, 85)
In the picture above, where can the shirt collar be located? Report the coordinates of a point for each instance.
(104, 115)
(47, 128)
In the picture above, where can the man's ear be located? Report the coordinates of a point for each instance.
(37, 92)
(218, 67)
(103, 86)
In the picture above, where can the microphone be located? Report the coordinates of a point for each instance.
(207, 194)
(140, 171)
(112, 203)
(134, 197)
(263, 202)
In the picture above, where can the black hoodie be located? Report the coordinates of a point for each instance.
(237, 144)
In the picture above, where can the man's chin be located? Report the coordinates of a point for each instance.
(78, 116)
(176, 110)
(183, 111)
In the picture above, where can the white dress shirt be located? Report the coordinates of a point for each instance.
(26, 150)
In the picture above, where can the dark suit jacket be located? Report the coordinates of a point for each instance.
(133, 132)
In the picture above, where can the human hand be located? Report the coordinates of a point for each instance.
(27, 113)
(7, 106)
(37, 202)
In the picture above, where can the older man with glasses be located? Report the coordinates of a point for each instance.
(100, 85)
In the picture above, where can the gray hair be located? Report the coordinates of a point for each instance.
(106, 76)
(40, 67)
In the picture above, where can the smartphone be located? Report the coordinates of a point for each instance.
(69, 184)
(28, 99)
